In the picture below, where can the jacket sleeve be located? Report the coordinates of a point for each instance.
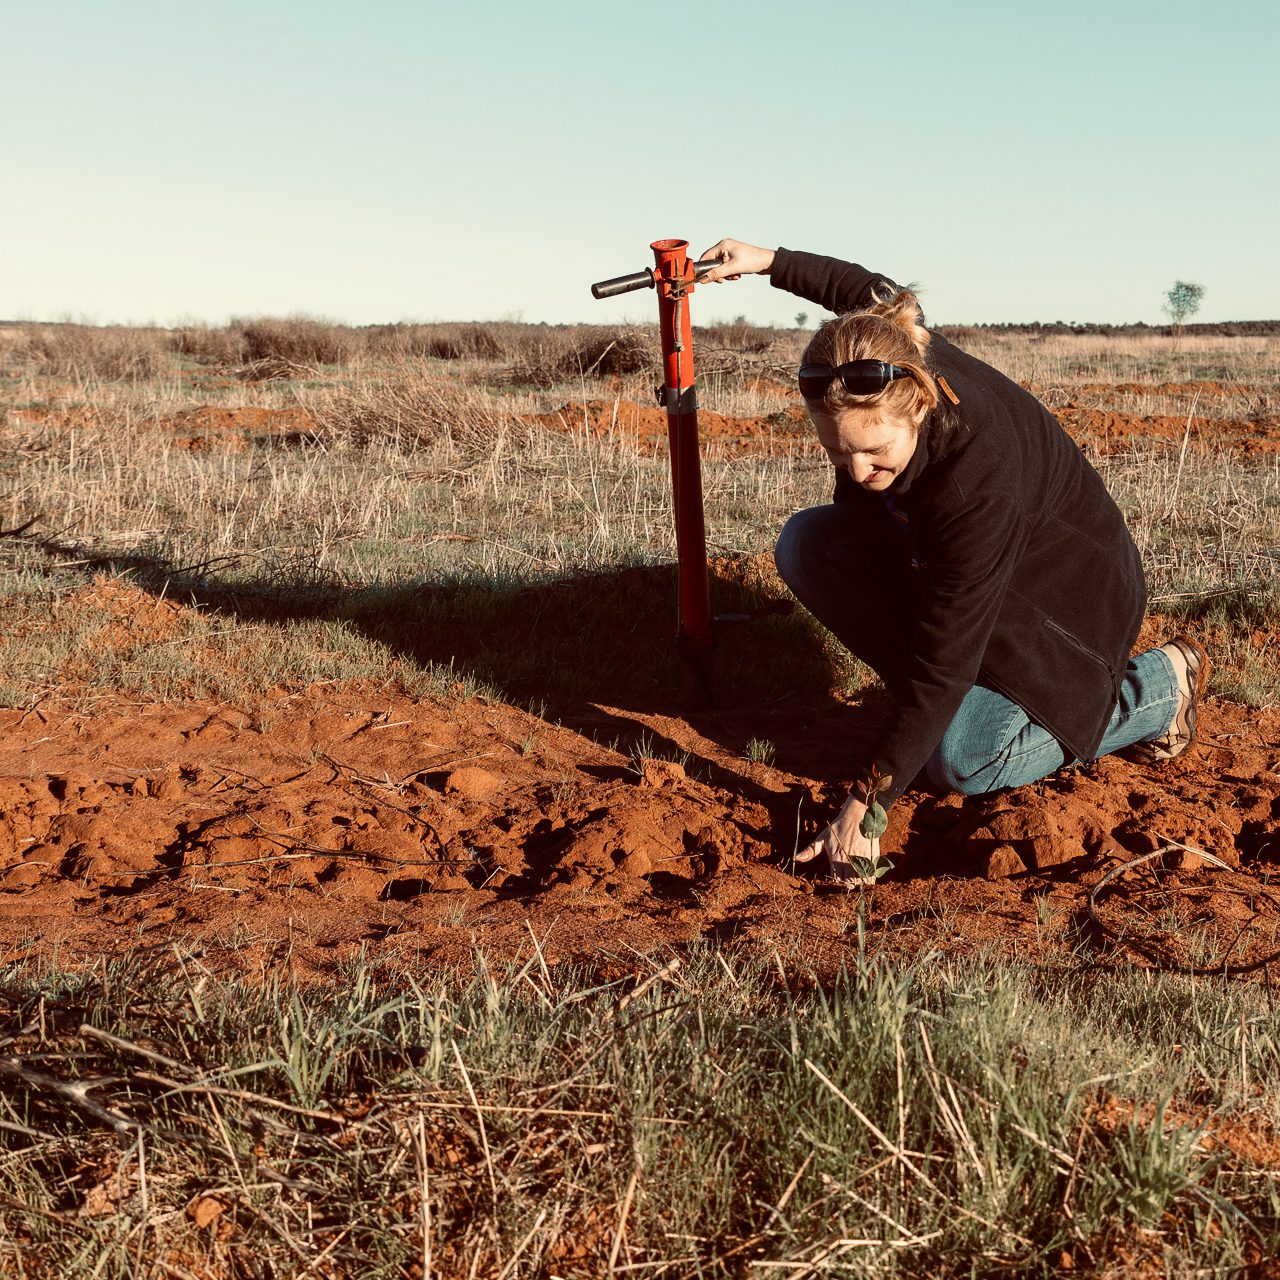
(969, 556)
(837, 286)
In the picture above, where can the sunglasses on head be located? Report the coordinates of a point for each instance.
(858, 377)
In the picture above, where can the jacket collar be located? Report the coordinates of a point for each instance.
(919, 460)
(931, 447)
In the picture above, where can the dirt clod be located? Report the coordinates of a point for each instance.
(183, 822)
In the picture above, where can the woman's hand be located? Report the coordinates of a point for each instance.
(842, 842)
(736, 260)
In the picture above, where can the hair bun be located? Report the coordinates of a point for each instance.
(902, 310)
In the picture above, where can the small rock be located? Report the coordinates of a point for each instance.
(1051, 851)
(22, 876)
(472, 783)
(1003, 862)
(169, 786)
(204, 1210)
(636, 864)
(1024, 823)
(658, 773)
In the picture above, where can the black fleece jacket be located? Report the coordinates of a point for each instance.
(1032, 585)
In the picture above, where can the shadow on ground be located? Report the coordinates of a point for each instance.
(591, 651)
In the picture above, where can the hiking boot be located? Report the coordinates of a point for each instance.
(1191, 667)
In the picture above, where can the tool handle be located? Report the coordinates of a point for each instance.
(642, 280)
(623, 284)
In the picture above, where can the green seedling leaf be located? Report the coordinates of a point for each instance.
(874, 822)
(869, 870)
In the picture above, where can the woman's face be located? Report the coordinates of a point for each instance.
(873, 445)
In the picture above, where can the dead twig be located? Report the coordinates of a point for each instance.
(1159, 960)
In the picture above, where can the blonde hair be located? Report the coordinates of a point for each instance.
(891, 329)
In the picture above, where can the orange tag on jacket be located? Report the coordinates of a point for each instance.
(946, 390)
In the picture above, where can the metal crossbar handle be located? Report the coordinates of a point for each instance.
(642, 280)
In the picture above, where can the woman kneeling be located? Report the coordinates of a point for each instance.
(971, 556)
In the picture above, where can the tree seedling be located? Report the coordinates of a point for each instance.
(873, 825)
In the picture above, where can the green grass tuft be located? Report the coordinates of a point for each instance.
(903, 1121)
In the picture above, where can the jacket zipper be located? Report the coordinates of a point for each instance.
(1080, 645)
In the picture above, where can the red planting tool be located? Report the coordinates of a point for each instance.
(673, 275)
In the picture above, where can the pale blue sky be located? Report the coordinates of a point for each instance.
(395, 160)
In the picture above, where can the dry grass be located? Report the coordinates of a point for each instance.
(302, 342)
(420, 414)
(448, 341)
(415, 472)
(80, 351)
(1065, 361)
(711, 1118)
(540, 1121)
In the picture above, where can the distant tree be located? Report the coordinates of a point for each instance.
(802, 318)
(1182, 300)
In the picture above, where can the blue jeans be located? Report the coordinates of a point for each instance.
(849, 567)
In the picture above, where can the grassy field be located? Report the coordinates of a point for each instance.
(452, 512)
(394, 473)
(710, 1116)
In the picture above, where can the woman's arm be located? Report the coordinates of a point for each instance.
(831, 283)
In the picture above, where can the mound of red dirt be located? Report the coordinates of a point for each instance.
(1110, 430)
(1239, 423)
(303, 828)
(236, 429)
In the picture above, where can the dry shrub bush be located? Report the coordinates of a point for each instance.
(300, 342)
(449, 341)
(270, 348)
(747, 367)
(112, 352)
(738, 335)
(222, 347)
(586, 351)
(415, 411)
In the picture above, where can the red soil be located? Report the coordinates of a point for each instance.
(1109, 430)
(207, 427)
(303, 828)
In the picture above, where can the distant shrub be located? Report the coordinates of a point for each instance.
(299, 341)
(111, 352)
(738, 334)
(222, 347)
(445, 341)
(586, 351)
